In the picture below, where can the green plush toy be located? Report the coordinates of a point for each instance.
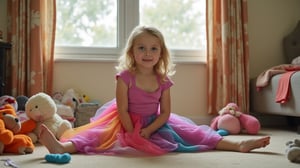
(293, 150)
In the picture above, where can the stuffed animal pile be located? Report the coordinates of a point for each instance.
(41, 109)
(57, 112)
(10, 139)
(67, 102)
(69, 98)
(231, 121)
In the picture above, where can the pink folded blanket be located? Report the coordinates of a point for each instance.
(264, 78)
(283, 89)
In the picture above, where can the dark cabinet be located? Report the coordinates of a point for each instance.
(4, 65)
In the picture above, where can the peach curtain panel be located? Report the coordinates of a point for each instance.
(31, 31)
(227, 54)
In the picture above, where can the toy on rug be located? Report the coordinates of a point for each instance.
(58, 158)
(10, 163)
(10, 139)
(231, 121)
(41, 109)
(293, 151)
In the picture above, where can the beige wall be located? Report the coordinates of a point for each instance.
(96, 79)
(269, 21)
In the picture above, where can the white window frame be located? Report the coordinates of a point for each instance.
(128, 18)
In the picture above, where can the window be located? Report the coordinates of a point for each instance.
(97, 30)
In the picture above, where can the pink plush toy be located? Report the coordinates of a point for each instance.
(232, 121)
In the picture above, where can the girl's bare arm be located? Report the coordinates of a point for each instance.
(122, 105)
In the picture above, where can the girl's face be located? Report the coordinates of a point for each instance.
(146, 50)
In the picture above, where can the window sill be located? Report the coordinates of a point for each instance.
(114, 58)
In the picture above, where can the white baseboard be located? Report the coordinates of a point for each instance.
(201, 120)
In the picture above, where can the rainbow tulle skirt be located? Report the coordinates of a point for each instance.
(105, 135)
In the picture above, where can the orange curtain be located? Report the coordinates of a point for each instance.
(31, 31)
(227, 54)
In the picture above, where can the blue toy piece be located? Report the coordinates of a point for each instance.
(58, 158)
(223, 132)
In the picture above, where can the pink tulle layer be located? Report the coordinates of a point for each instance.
(105, 135)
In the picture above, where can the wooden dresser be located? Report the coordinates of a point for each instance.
(4, 66)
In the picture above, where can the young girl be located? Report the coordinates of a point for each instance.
(139, 119)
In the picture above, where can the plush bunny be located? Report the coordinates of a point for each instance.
(231, 121)
(41, 109)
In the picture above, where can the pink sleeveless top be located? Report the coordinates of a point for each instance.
(142, 102)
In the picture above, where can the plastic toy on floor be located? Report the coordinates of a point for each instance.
(293, 151)
(9, 163)
(58, 158)
(232, 121)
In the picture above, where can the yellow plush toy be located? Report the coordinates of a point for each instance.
(10, 139)
(41, 109)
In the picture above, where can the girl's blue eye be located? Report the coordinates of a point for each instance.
(141, 48)
(154, 49)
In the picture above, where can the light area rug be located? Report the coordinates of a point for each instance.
(273, 156)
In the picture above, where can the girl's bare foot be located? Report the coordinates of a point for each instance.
(47, 139)
(248, 145)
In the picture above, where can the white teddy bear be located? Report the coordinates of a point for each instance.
(41, 109)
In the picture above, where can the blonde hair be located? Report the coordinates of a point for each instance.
(163, 68)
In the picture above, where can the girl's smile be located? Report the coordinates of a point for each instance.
(146, 50)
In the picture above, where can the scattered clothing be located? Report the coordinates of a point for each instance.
(283, 90)
(264, 78)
